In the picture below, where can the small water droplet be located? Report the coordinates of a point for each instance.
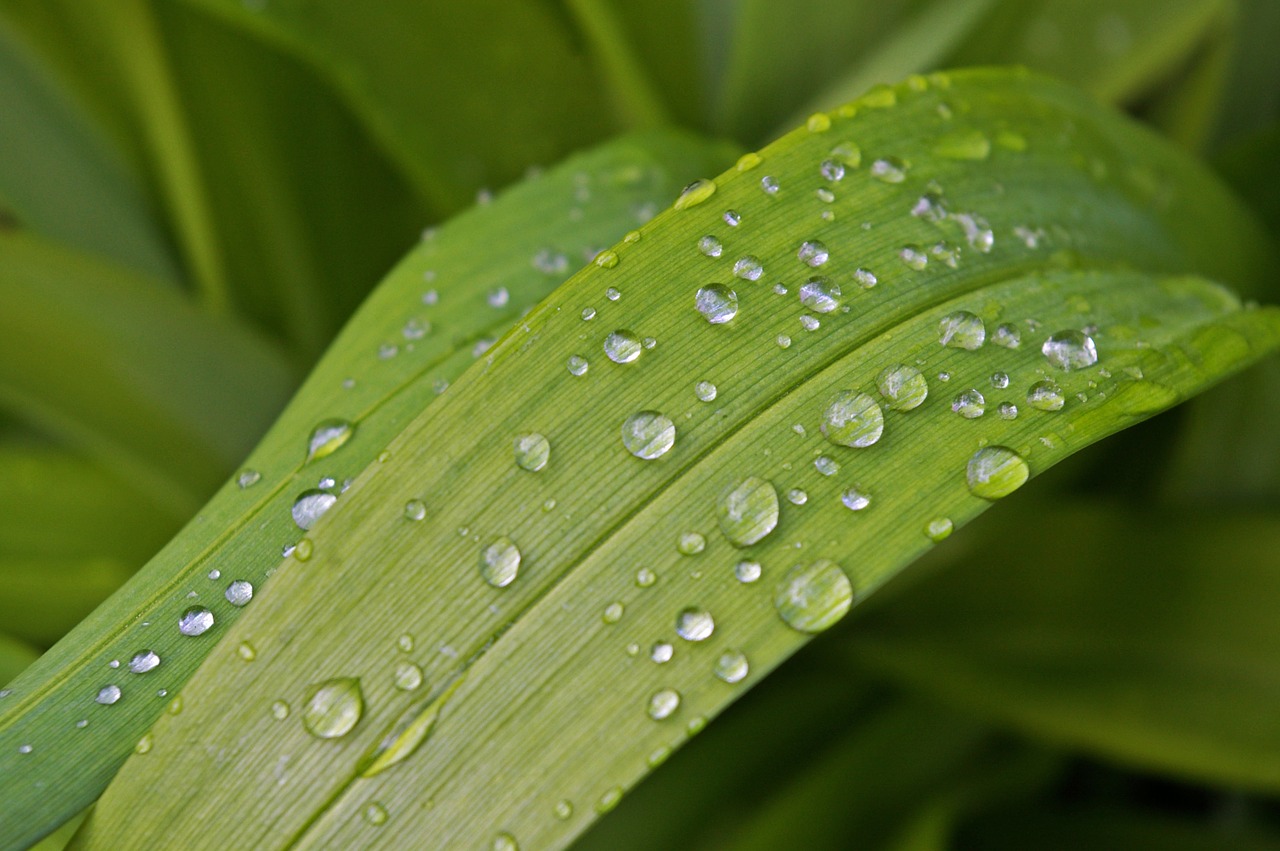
(732, 666)
(532, 451)
(783, 341)
(732, 218)
(717, 303)
(819, 294)
(796, 496)
(144, 744)
(812, 597)
(710, 246)
(749, 268)
(691, 543)
(996, 471)
(333, 708)
(239, 593)
(576, 365)
(962, 330)
(695, 193)
(415, 510)
(310, 506)
(705, 391)
(25, 749)
(848, 153)
(408, 676)
(970, 404)
(747, 511)
(999, 380)
(375, 814)
(694, 624)
(607, 259)
(500, 562)
(661, 653)
(405, 642)
(328, 437)
(144, 661)
(1046, 395)
(612, 294)
(248, 478)
(648, 434)
(855, 500)
(195, 621)
(622, 346)
(813, 253)
(853, 419)
(279, 710)
(108, 695)
(969, 144)
(609, 800)
(1069, 350)
(769, 185)
(903, 387)
(832, 171)
(302, 551)
(588, 313)
(826, 465)
(747, 572)
(613, 613)
(563, 809)
(504, 842)
(819, 122)
(645, 577)
(864, 278)
(913, 257)
(246, 651)
(663, 704)
(888, 170)
(1007, 411)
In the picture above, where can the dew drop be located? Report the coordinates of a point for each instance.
(913, 257)
(375, 814)
(333, 708)
(732, 218)
(854, 499)
(144, 744)
(532, 451)
(996, 471)
(796, 496)
(812, 597)
(576, 365)
(1069, 350)
(663, 703)
(408, 676)
(820, 294)
(970, 404)
(864, 278)
(607, 259)
(999, 380)
(613, 613)
(826, 465)
(195, 621)
(819, 122)
(747, 511)
(691, 543)
(612, 294)
(622, 346)
(415, 510)
(813, 253)
(853, 419)
(963, 145)
(749, 268)
(769, 185)
(239, 593)
(832, 170)
(609, 800)
(588, 313)
(248, 478)
(661, 653)
(1007, 411)
(504, 842)
(645, 577)
(962, 330)
(717, 303)
(310, 506)
(563, 809)
(888, 170)
(328, 437)
(108, 695)
(405, 643)
(648, 434)
(903, 387)
(246, 651)
(732, 666)
(695, 193)
(1046, 395)
(847, 153)
(705, 391)
(710, 246)
(144, 661)
(694, 624)
(279, 710)
(500, 562)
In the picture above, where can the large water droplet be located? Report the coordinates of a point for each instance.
(239, 593)
(333, 708)
(748, 511)
(903, 387)
(1068, 350)
(310, 506)
(144, 661)
(717, 303)
(853, 419)
(663, 703)
(695, 624)
(812, 597)
(622, 346)
(328, 437)
(819, 294)
(648, 434)
(500, 562)
(532, 451)
(962, 330)
(995, 472)
(732, 666)
(195, 621)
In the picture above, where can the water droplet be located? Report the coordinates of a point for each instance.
(747, 572)
(970, 404)
(963, 145)
(783, 341)
(214, 574)
(504, 842)
(144, 744)
(705, 391)
(333, 708)
(405, 643)
(310, 506)
(854, 499)
(415, 509)
(913, 257)
(408, 676)
(622, 346)
(563, 809)
(962, 330)
(1008, 411)
(645, 577)
(832, 170)
(663, 703)
(717, 303)
(500, 562)
(820, 294)
(248, 478)
(812, 597)
(977, 232)
(691, 543)
(246, 651)
(732, 666)
(107, 695)
(612, 294)
(532, 451)
(1068, 350)
(375, 814)
(889, 170)
(695, 193)
(747, 511)
(848, 153)
(995, 472)
(24, 749)
(819, 122)
(613, 613)
(302, 551)
(749, 268)
(853, 419)
(661, 653)
(328, 437)
(195, 621)
(826, 465)
(1046, 396)
(648, 434)
(710, 246)
(903, 387)
(769, 185)
(588, 313)
(796, 496)
(694, 624)
(999, 380)
(813, 253)
(279, 710)
(864, 278)
(732, 218)
(239, 593)
(607, 259)
(576, 365)
(144, 661)
(498, 298)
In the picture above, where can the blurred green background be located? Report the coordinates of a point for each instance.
(196, 194)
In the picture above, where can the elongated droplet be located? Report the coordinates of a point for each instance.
(1068, 350)
(500, 562)
(717, 303)
(748, 511)
(310, 506)
(333, 708)
(328, 437)
(648, 434)
(812, 597)
(853, 419)
(532, 452)
(995, 472)
(695, 193)
(903, 387)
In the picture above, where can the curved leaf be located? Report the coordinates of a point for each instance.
(391, 695)
(438, 310)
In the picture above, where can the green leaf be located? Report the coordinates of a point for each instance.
(15, 656)
(1133, 634)
(1090, 828)
(438, 310)
(479, 669)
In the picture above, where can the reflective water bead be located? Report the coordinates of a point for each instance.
(970, 404)
(645, 577)
(612, 294)
(576, 365)
(819, 122)
(328, 437)
(888, 170)
(832, 170)
(769, 185)
(694, 624)
(408, 676)
(747, 511)
(663, 703)
(854, 499)
(498, 298)
(996, 471)
(622, 346)
(504, 842)
(913, 257)
(108, 695)
(731, 218)
(1046, 396)
(1007, 336)
(717, 303)
(705, 391)
(999, 380)
(661, 653)
(333, 708)
(375, 814)
(732, 666)
(1069, 350)
(710, 246)
(904, 387)
(797, 496)
(812, 253)
(588, 313)
(847, 153)
(864, 278)
(144, 661)
(826, 465)
(310, 506)
(648, 434)
(500, 562)
(853, 419)
(415, 509)
(532, 451)
(820, 294)
(748, 268)
(813, 597)
(607, 259)
(962, 330)
(195, 621)
(1008, 411)
(694, 194)
(613, 613)
(747, 572)
(247, 478)
(239, 593)
(691, 543)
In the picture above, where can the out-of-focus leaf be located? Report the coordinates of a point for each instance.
(529, 707)
(1187, 107)
(635, 99)
(1092, 828)
(1139, 636)
(15, 656)
(436, 313)
(60, 177)
(1250, 100)
(129, 372)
